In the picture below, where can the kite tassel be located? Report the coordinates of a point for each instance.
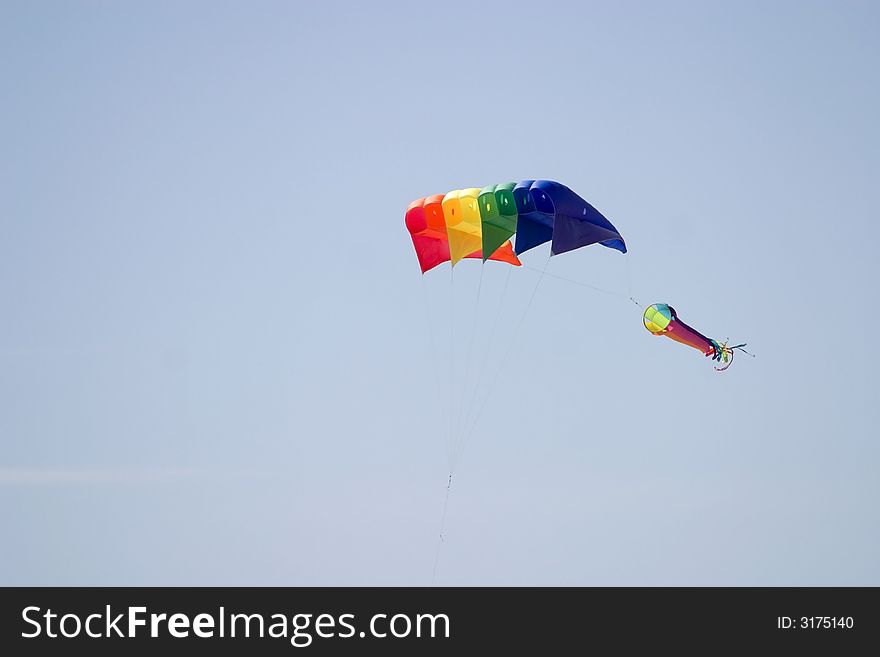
(727, 354)
(740, 347)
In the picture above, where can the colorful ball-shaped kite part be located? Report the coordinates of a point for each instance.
(661, 319)
(657, 318)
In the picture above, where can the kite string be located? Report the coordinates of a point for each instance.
(443, 393)
(460, 415)
(595, 288)
(460, 447)
(486, 352)
(451, 362)
(482, 406)
(446, 400)
(442, 526)
(629, 283)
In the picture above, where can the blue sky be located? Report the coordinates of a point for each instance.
(215, 366)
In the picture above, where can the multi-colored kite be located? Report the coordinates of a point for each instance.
(478, 223)
(661, 319)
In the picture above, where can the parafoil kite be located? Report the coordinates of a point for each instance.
(661, 319)
(479, 223)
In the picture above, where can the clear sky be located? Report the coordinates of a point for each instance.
(215, 364)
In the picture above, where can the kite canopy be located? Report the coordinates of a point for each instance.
(479, 223)
(551, 212)
(433, 240)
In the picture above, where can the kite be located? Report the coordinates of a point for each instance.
(500, 222)
(661, 319)
(479, 223)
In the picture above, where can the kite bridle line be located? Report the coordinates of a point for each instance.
(463, 425)
(470, 421)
